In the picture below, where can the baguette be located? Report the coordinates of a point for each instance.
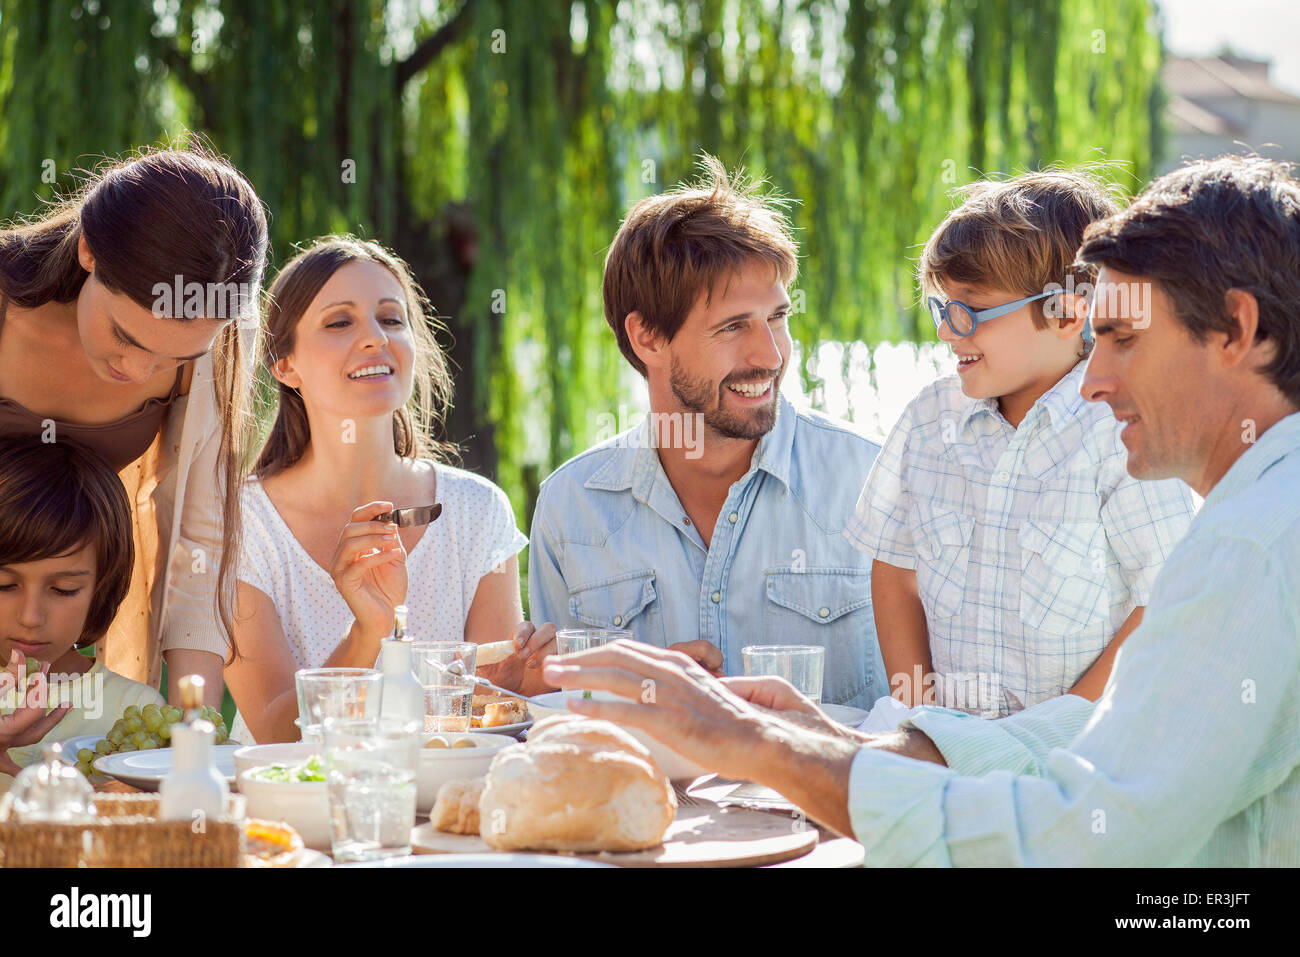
(492, 652)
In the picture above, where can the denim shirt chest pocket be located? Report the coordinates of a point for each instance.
(1063, 587)
(627, 601)
(824, 606)
(943, 543)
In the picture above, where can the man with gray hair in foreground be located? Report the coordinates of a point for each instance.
(1192, 754)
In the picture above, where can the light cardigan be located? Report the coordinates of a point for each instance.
(177, 517)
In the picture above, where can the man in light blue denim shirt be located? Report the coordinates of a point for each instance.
(718, 522)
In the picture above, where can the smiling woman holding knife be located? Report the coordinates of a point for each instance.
(360, 380)
(93, 350)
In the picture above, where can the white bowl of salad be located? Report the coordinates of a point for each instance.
(259, 755)
(295, 793)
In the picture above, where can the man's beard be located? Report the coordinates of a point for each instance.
(703, 398)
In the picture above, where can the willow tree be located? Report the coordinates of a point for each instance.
(496, 143)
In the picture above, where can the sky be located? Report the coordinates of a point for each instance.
(1262, 29)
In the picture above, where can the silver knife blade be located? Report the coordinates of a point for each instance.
(411, 515)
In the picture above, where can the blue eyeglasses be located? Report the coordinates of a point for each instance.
(963, 320)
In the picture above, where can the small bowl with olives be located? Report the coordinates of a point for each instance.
(446, 756)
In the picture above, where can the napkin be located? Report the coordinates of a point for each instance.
(886, 715)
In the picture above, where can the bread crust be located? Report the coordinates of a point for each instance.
(578, 785)
(456, 807)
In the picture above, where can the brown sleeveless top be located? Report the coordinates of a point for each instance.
(119, 443)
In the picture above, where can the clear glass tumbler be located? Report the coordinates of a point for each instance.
(801, 665)
(371, 769)
(568, 640)
(335, 693)
(448, 699)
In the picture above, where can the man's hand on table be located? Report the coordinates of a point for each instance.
(740, 727)
(714, 723)
(778, 696)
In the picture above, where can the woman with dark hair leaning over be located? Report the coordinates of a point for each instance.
(120, 329)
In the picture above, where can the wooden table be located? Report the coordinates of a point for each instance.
(832, 850)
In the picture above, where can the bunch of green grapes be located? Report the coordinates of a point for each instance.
(144, 729)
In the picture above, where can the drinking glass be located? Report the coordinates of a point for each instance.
(448, 699)
(371, 770)
(568, 640)
(801, 665)
(335, 693)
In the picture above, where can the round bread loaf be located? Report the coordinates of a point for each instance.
(587, 732)
(578, 785)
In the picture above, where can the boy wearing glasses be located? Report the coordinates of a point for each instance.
(1012, 552)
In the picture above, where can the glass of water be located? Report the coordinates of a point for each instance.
(568, 640)
(371, 766)
(448, 700)
(335, 693)
(801, 665)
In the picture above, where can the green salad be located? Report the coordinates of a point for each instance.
(309, 770)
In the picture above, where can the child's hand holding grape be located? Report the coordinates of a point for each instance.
(29, 722)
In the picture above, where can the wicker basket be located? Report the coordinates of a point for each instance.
(125, 833)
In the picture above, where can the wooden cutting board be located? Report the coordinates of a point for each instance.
(705, 836)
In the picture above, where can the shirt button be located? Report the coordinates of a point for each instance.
(824, 612)
(716, 597)
(732, 518)
(1003, 477)
(686, 520)
(618, 619)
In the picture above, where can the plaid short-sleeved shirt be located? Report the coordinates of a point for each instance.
(1031, 545)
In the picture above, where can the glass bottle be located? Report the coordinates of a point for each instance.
(193, 788)
(52, 791)
(403, 694)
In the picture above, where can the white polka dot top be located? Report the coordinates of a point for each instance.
(475, 533)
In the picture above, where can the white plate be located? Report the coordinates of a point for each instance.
(310, 858)
(73, 745)
(479, 860)
(146, 769)
(511, 729)
(844, 714)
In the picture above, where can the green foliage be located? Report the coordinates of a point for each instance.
(549, 119)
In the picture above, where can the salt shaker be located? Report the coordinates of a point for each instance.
(52, 791)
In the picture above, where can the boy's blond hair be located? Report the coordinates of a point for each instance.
(1019, 234)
